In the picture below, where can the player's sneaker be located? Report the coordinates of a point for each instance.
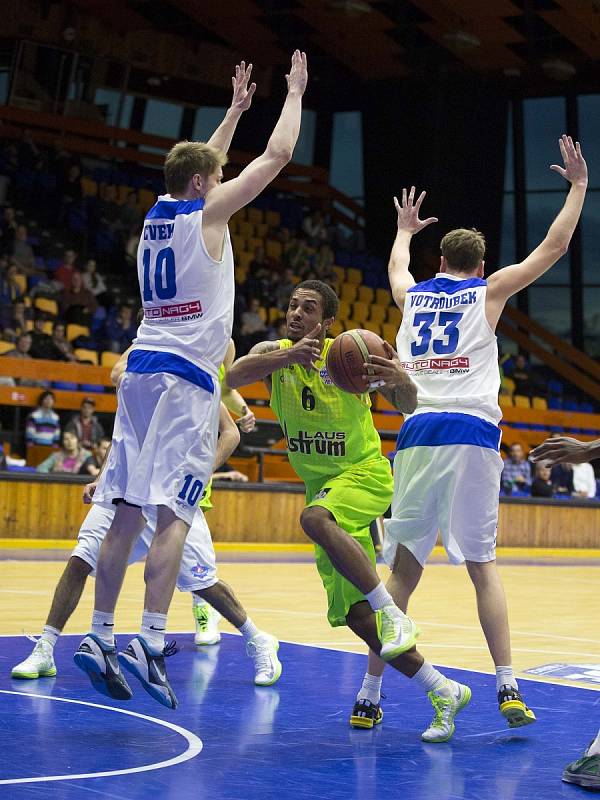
(207, 625)
(398, 632)
(263, 648)
(366, 714)
(39, 664)
(441, 727)
(513, 708)
(150, 670)
(100, 664)
(584, 772)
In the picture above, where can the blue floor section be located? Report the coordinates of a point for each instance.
(288, 741)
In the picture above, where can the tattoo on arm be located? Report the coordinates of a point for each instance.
(403, 398)
(260, 349)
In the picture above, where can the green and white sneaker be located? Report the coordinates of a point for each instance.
(584, 772)
(40, 664)
(398, 632)
(262, 649)
(441, 727)
(207, 625)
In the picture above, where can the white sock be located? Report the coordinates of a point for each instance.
(594, 748)
(248, 630)
(430, 679)
(505, 677)
(50, 635)
(371, 688)
(153, 631)
(103, 626)
(379, 597)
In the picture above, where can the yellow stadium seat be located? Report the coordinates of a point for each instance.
(246, 229)
(273, 218)
(341, 273)
(6, 347)
(296, 279)
(48, 306)
(275, 314)
(21, 282)
(89, 187)
(509, 385)
(245, 258)
(108, 359)
(365, 294)
(377, 313)
(360, 311)
(263, 314)
(351, 324)
(540, 403)
(375, 327)
(383, 297)
(394, 316)
(240, 274)
(505, 400)
(27, 301)
(234, 226)
(354, 275)
(336, 329)
(146, 199)
(73, 331)
(521, 401)
(262, 229)
(255, 215)
(389, 332)
(254, 242)
(123, 193)
(273, 249)
(238, 242)
(83, 354)
(344, 310)
(241, 215)
(349, 292)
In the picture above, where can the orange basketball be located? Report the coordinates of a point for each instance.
(346, 356)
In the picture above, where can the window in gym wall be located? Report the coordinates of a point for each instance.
(206, 121)
(305, 147)
(551, 307)
(162, 119)
(346, 166)
(544, 120)
(108, 101)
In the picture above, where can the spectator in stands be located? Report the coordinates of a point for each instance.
(22, 251)
(95, 283)
(516, 475)
(297, 255)
(253, 326)
(324, 260)
(43, 424)
(59, 340)
(85, 425)
(521, 377)
(17, 317)
(93, 464)
(284, 289)
(69, 458)
(8, 229)
(562, 479)
(78, 305)
(584, 480)
(259, 282)
(542, 484)
(70, 191)
(42, 345)
(120, 330)
(10, 285)
(66, 268)
(279, 330)
(314, 228)
(130, 215)
(22, 348)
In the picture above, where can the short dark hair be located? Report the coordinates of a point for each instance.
(329, 298)
(44, 395)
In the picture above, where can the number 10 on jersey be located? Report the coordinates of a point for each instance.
(162, 277)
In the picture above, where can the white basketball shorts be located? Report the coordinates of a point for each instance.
(198, 564)
(163, 445)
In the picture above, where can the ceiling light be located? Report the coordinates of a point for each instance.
(461, 40)
(559, 70)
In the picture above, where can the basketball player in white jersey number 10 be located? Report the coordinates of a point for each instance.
(164, 441)
(447, 465)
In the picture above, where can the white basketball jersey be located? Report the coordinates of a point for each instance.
(446, 345)
(187, 296)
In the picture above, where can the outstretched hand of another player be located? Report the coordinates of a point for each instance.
(408, 212)
(242, 93)
(575, 169)
(384, 371)
(561, 450)
(88, 491)
(308, 350)
(298, 75)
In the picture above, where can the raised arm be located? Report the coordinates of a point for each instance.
(387, 376)
(510, 280)
(225, 199)
(233, 399)
(240, 102)
(408, 224)
(565, 450)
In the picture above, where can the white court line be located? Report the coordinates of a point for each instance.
(194, 744)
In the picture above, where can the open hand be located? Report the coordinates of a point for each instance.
(575, 169)
(384, 371)
(308, 350)
(561, 450)
(408, 212)
(242, 93)
(298, 76)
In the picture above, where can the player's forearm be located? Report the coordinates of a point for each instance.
(226, 444)
(402, 395)
(222, 137)
(560, 232)
(233, 400)
(285, 133)
(399, 276)
(256, 367)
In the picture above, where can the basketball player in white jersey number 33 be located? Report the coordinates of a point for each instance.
(165, 433)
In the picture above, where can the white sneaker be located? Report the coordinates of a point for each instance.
(207, 625)
(398, 632)
(40, 664)
(263, 648)
(446, 708)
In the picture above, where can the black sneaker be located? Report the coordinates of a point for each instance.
(366, 714)
(150, 670)
(513, 708)
(100, 664)
(584, 772)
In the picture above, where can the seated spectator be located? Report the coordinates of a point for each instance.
(521, 377)
(252, 326)
(59, 340)
(542, 484)
(78, 305)
(22, 348)
(516, 474)
(120, 330)
(66, 268)
(69, 458)
(93, 464)
(8, 228)
(314, 228)
(130, 215)
(41, 343)
(43, 424)
(10, 286)
(22, 251)
(16, 319)
(284, 289)
(85, 425)
(94, 282)
(324, 260)
(297, 255)
(562, 479)
(259, 282)
(584, 481)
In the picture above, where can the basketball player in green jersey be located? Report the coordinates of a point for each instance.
(335, 449)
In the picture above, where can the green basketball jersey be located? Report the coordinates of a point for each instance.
(205, 501)
(327, 430)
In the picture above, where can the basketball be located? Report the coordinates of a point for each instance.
(346, 356)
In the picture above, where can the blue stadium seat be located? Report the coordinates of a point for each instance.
(555, 386)
(66, 386)
(92, 388)
(555, 403)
